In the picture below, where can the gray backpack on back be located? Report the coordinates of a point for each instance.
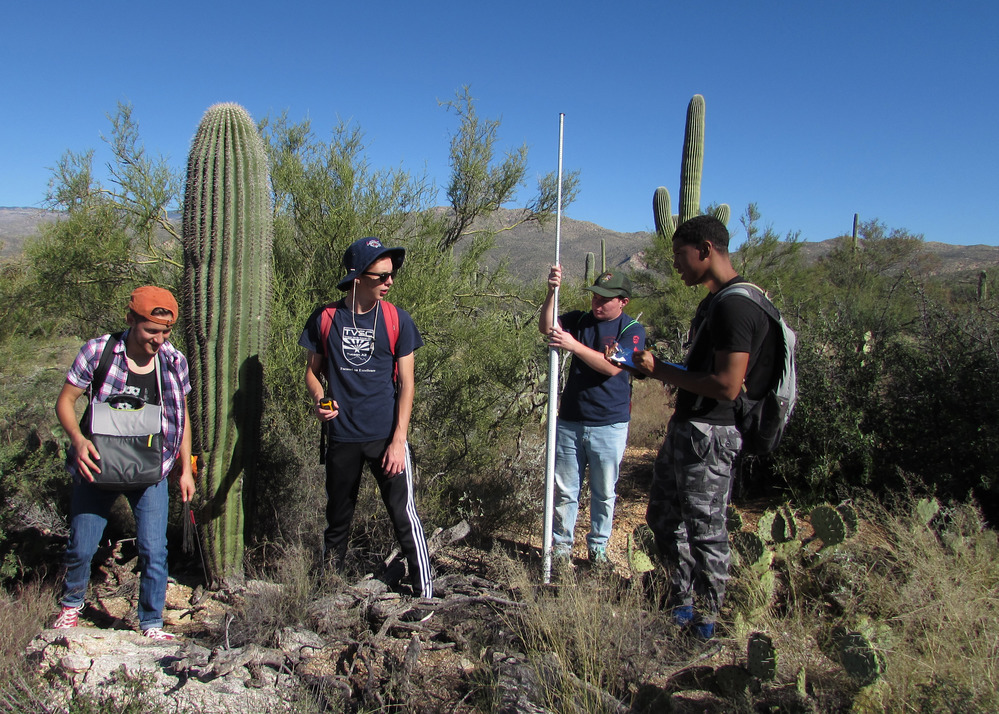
(761, 422)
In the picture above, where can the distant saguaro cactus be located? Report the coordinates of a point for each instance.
(589, 274)
(227, 235)
(691, 168)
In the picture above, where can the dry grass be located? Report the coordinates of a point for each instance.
(931, 594)
(651, 408)
(24, 612)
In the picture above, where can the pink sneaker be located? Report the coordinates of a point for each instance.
(157, 634)
(69, 617)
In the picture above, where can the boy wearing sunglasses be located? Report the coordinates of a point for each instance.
(360, 378)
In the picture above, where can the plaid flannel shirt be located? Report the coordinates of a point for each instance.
(175, 386)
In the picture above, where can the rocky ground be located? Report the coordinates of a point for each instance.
(366, 645)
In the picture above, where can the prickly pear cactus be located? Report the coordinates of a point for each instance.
(858, 655)
(927, 509)
(790, 524)
(761, 656)
(765, 526)
(638, 560)
(829, 525)
(691, 169)
(751, 549)
(227, 238)
(732, 682)
(851, 521)
(733, 519)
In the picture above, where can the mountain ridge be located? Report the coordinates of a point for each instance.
(529, 248)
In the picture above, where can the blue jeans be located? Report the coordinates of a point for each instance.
(601, 448)
(90, 509)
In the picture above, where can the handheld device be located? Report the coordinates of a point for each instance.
(326, 404)
(623, 358)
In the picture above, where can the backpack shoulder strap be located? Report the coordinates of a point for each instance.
(751, 292)
(325, 325)
(104, 364)
(391, 324)
(100, 374)
(392, 327)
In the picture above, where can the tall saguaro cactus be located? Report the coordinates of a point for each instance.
(691, 168)
(228, 236)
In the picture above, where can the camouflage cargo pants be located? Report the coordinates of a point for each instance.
(687, 505)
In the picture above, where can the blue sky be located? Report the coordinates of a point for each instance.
(816, 110)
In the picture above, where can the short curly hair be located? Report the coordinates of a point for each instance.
(701, 228)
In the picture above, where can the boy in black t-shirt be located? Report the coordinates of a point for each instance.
(693, 471)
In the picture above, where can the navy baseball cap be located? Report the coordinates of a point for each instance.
(362, 253)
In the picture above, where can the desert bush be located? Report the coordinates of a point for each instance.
(34, 487)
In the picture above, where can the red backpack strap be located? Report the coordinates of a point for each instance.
(325, 325)
(392, 326)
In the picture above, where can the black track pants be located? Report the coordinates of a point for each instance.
(344, 463)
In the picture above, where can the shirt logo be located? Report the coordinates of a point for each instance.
(358, 345)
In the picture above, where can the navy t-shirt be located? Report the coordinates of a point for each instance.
(359, 369)
(589, 397)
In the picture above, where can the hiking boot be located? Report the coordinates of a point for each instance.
(598, 555)
(704, 631)
(158, 634)
(682, 615)
(68, 617)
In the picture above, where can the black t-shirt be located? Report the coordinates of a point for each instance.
(737, 325)
(143, 386)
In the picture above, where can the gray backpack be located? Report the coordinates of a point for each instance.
(761, 422)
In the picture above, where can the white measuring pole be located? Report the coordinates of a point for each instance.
(553, 373)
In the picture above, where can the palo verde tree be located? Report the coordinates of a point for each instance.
(227, 284)
(114, 235)
(479, 185)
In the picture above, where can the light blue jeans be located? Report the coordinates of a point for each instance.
(90, 509)
(576, 447)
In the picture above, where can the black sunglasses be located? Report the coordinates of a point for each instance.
(381, 277)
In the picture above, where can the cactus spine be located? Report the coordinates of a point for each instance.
(227, 235)
(691, 170)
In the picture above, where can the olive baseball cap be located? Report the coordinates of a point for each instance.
(611, 284)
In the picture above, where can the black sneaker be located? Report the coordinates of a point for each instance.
(417, 614)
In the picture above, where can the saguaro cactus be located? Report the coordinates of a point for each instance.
(589, 274)
(691, 168)
(228, 236)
